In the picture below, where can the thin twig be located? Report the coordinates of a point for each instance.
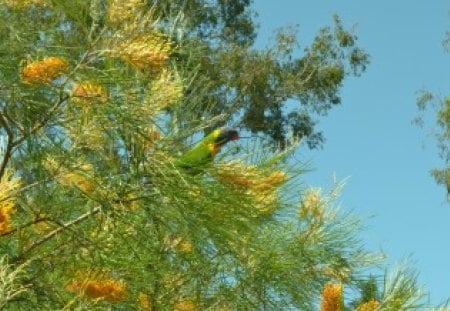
(44, 122)
(58, 230)
(9, 145)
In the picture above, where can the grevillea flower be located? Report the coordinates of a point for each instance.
(8, 187)
(331, 297)
(371, 305)
(120, 11)
(165, 91)
(185, 305)
(148, 51)
(253, 181)
(99, 287)
(147, 137)
(89, 92)
(44, 71)
(79, 177)
(312, 204)
(144, 301)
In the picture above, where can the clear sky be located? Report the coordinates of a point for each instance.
(370, 137)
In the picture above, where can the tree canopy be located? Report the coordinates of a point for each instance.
(98, 101)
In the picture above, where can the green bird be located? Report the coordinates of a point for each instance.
(195, 160)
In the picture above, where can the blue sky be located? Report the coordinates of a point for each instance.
(370, 137)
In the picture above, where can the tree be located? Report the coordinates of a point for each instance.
(441, 108)
(94, 213)
(252, 88)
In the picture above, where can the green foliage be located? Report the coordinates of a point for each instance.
(441, 109)
(275, 91)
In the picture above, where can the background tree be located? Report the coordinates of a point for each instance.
(441, 107)
(275, 92)
(95, 108)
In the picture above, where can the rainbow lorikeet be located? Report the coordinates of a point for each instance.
(195, 160)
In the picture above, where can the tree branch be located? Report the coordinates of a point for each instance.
(9, 145)
(55, 232)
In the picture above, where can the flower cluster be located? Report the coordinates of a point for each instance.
(253, 181)
(238, 175)
(88, 135)
(89, 92)
(120, 11)
(79, 177)
(331, 297)
(99, 287)
(43, 71)
(148, 51)
(8, 187)
(165, 91)
(371, 305)
(144, 301)
(147, 137)
(312, 204)
(178, 243)
(185, 305)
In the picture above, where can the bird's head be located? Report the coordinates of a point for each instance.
(226, 134)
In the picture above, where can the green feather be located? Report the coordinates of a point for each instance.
(196, 159)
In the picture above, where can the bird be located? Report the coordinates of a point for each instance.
(195, 160)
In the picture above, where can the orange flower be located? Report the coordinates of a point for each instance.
(147, 137)
(8, 187)
(43, 71)
(5, 213)
(88, 92)
(99, 287)
(371, 305)
(144, 301)
(331, 297)
(185, 305)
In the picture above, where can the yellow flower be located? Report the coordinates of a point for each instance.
(254, 182)
(331, 297)
(368, 306)
(144, 301)
(120, 11)
(87, 135)
(236, 175)
(185, 305)
(99, 287)
(88, 92)
(44, 71)
(145, 51)
(239, 175)
(271, 182)
(165, 91)
(312, 204)
(147, 138)
(79, 177)
(182, 245)
(8, 187)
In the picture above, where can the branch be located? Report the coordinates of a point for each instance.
(9, 145)
(41, 124)
(55, 232)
